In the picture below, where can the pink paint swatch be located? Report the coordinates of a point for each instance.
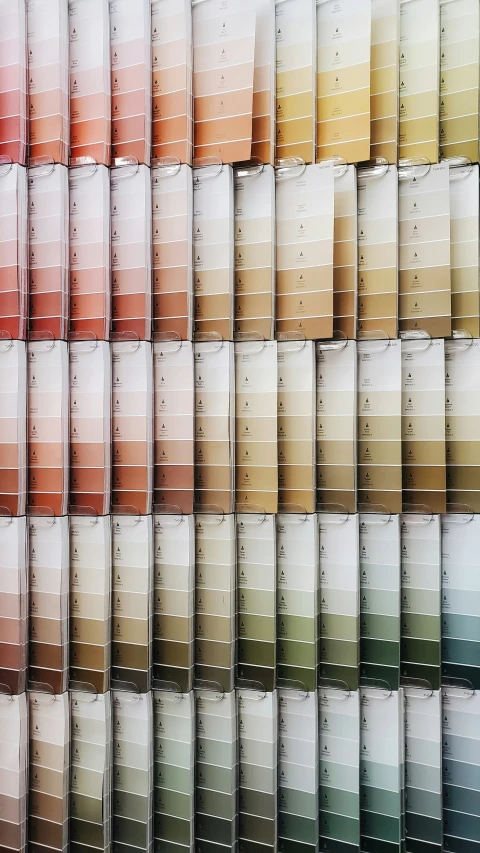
(13, 250)
(130, 39)
(13, 80)
(172, 82)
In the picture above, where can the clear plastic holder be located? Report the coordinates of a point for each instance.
(339, 514)
(201, 685)
(83, 688)
(417, 336)
(336, 686)
(293, 510)
(455, 511)
(169, 511)
(129, 164)
(44, 164)
(376, 684)
(41, 687)
(168, 687)
(77, 164)
(413, 167)
(6, 691)
(247, 337)
(252, 687)
(335, 344)
(374, 510)
(205, 337)
(6, 340)
(210, 511)
(418, 685)
(79, 511)
(460, 684)
(128, 511)
(289, 167)
(87, 337)
(125, 337)
(376, 168)
(6, 165)
(42, 512)
(294, 687)
(459, 167)
(166, 338)
(41, 337)
(248, 168)
(421, 514)
(125, 687)
(375, 337)
(206, 167)
(167, 167)
(252, 510)
(340, 165)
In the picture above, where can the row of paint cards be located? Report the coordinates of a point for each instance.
(13, 250)
(49, 776)
(13, 81)
(13, 771)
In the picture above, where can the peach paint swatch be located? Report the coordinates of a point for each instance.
(48, 249)
(48, 801)
(459, 78)
(48, 407)
(13, 250)
(90, 80)
(384, 79)
(296, 406)
(462, 424)
(132, 424)
(255, 252)
(13, 604)
(172, 79)
(90, 427)
(174, 449)
(296, 36)
(223, 62)
(90, 310)
(264, 94)
(48, 618)
(48, 79)
(13, 771)
(172, 251)
(131, 258)
(345, 253)
(465, 248)
(130, 40)
(13, 427)
(13, 81)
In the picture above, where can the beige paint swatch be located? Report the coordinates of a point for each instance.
(384, 79)
(462, 426)
(345, 255)
(296, 426)
(465, 248)
(263, 126)
(419, 79)
(459, 78)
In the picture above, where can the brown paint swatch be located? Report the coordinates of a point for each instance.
(384, 79)
(462, 359)
(13, 427)
(465, 248)
(13, 603)
(345, 254)
(172, 82)
(13, 251)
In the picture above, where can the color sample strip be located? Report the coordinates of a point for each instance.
(263, 121)
(256, 600)
(174, 770)
(13, 81)
(337, 425)
(465, 248)
(256, 474)
(90, 80)
(223, 62)
(90, 427)
(90, 601)
(257, 740)
(461, 769)
(172, 83)
(384, 80)
(423, 770)
(174, 603)
(13, 427)
(296, 36)
(13, 604)
(380, 596)
(345, 253)
(343, 79)
(13, 250)
(298, 599)
(296, 425)
(215, 425)
(13, 772)
(419, 79)
(255, 252)
(131, 55)
(48, 802)
(305, 251)
(462, 387)
(378, 252)
(132, 806)
(173, 251)
(174, 440)
(459, 78)
(215, 605)
(298, 771)
(380, 424)
(132, 424)
(132, 596)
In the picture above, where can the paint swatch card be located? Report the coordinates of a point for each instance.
(378, 252)
(132, 805)
(90, 80)
(263, 124)
(384, 80)
(13, 604)
(172, 251)
(13, 771)
(13, 427)
(174, 439)
(465, 247)
(419, 79)
(380, 425)
(215, 426)
(257, 741)
(132, 425)
(13, 250)
(132, 600)
(296, 398)
(255, 252)
(462, 387)
(298, 771)
(423, 769)
(305, 233)
(223, 60)
(336, 424)
(13, 81)
(461, 768)
(459, 78)
(172, 83)
(343, 80)
(215, 605)
(296, 36)
(256, 600)
(131, 61)
(256, 474)
(174, 603)
(345, 253)
(48, 801)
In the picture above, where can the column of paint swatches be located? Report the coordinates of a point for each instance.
(337, 425)
(465, 247)
(296, 36)
(132, 425)
(174, 440)
(215, 605)
(343, 80)
(13, 604)
(459, 78)
(419, 79)
(13, 250)
(172, 83)
(132, 599)
(380, 603)
(13, 427)
(257, 741)
(263, 123)
(378, 252)
(47, 426)
(339, 599)
(297, 599)
(339, 770)
(90, 80)
(132, 806)
(48, 801)
(255, 252)
(462, 397)
(91, 773)
(215, 425)
(296, 398)
(90, 275)
(174, 770)
(49, 584)
(380, 424)
(13, 771)
(90, 601)
(345, 260)
(461, 769)
(90, 427)
(384, 80)
(13, 81)
(256, 600)
(305, 251)
(423, 769)
(298, 770)
(174, 603)
(172, 251)
(256, 475)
